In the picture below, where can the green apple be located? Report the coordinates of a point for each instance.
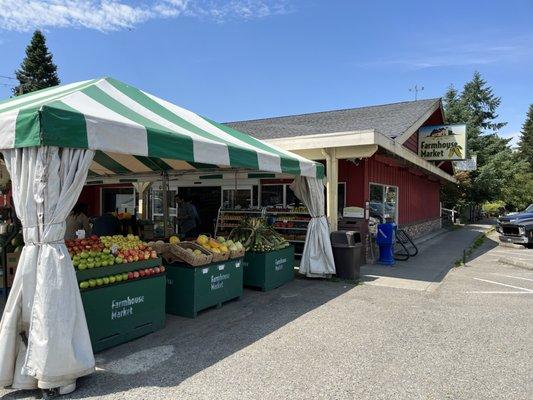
(97, 264)
(84, 254)
(118, 278)
(99, 282)
(106, 280)
(82, 265)
(112, 279)
(90, 265)
(119, 260)
(84, 285)
(106, 251)
(92, 282)
(125, 276)
(75, 262)
(104, 263)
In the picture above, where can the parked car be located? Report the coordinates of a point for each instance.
(517, 227)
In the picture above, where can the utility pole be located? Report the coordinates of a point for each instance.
(416, 89)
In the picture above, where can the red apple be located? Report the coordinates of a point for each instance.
(136, 275)
(147, 272)
(162, 268)
(157, 270)
(135, 257)
(153, 254)
(152, 272)
(130, 275)
(130, 259)
(142, 273)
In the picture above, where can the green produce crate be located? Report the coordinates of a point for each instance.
(269, 270)
(192, 289)
(124, 311)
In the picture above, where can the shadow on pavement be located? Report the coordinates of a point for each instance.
(187, 346)
(435, 259)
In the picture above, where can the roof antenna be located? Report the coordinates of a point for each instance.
(416, 89)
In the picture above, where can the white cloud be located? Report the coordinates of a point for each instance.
(110, 15)
(455, 53)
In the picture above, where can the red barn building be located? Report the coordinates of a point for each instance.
(371, 157)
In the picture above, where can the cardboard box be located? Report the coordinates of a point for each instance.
(11, 264)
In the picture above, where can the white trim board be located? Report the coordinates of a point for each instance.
(343, 140)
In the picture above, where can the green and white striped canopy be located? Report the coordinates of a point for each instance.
(134, 132)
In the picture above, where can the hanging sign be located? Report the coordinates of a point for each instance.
(466, 165)
(442, 142)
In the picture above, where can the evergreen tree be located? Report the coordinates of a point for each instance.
(476, 106)
(525, 144)
(37, 71)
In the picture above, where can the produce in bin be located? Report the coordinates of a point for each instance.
(125, 276)
(189, 252)
(221, 248)
(257, 236)
(95, 252)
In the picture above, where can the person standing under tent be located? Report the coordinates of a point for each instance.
(187, 217)
(77, 220)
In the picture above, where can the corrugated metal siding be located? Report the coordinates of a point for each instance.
(419, 197)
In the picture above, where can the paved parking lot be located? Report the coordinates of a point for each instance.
(469, 338)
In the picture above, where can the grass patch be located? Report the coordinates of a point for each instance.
(478, 242)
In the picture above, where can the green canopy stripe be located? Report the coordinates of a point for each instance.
(107, 162)
(66, 126)
(33, 101)
(155, 164)
(133, 131)
(28, 128)
(235, 153)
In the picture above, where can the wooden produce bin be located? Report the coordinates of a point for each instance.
(269, 270)
(120, 312)
(192, 289)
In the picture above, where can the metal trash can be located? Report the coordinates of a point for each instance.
(347, 249)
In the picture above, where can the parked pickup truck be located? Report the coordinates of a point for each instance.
(517, 227)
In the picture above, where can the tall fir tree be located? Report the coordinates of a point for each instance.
(525, 144)
(37, 71)
(476, 106)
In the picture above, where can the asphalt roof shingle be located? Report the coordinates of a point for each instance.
(389, 119)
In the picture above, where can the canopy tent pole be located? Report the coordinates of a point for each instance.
(332, 186)
(164, 187)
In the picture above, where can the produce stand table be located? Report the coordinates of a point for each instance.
(269, 270)
(120, 312)
(192, 289)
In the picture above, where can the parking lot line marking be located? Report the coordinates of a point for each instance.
(504, 284)
(515, 277)
(501, 292)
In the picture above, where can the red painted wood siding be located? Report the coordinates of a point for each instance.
(354, 177)
(419, 197)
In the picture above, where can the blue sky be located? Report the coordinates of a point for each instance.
(244, 59)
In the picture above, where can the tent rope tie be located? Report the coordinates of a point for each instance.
(42, 227)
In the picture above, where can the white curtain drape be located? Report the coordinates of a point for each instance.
(317, 257)
(44, 340)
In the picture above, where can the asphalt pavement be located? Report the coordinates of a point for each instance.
(469, 337)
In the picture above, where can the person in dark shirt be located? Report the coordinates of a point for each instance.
(107, 225)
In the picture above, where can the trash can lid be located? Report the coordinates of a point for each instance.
(348, 238)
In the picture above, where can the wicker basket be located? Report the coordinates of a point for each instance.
(218, 256)
(179, 251)
(237, 253)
